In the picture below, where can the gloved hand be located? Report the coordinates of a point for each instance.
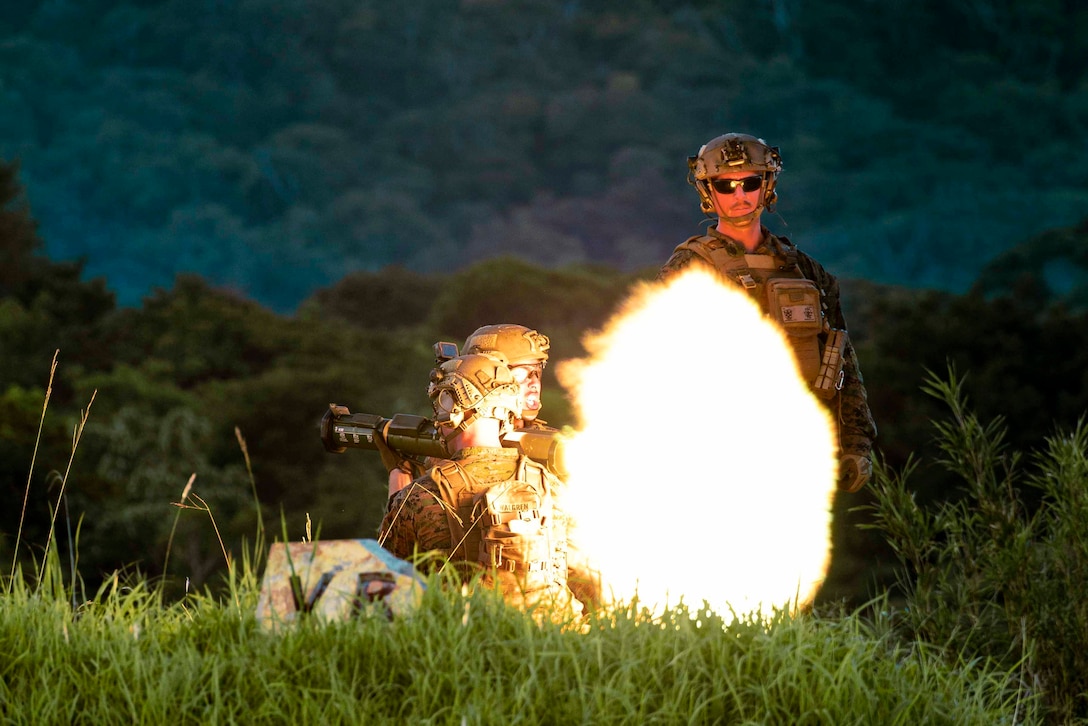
(393, 459)
(854, 472)
(390, 458)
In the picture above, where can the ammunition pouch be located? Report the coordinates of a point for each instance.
(795, 305)
(830, 378)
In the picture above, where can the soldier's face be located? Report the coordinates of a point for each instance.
(528, 380)
(736, 193)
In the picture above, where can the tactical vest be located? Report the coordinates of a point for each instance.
(509, 527)
(786, 296)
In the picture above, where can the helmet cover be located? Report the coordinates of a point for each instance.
(518, 344)
(735, 152)
(472, 386)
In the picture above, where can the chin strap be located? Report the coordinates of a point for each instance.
(457, 423)
(468, 418)
(746, 219)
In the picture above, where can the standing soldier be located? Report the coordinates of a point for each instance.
(486, 508)
(735, 176)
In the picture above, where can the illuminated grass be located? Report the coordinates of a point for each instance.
(125, 658)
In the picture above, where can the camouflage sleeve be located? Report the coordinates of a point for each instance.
(857, 430)
(415, 520)
(679, 261)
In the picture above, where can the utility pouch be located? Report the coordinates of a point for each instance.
(518, 540)
(516, 552)
(506, 503)
(795, 305)
(526, 560)
(829, 381)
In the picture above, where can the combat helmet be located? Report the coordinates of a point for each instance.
(518, 344)
(472, 386)
(735, 152)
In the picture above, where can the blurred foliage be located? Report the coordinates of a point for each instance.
(177, 380)
(1022, 349)
(394, 298)
(285, 144)
(1023, 353)
(998, 569)
(1049, 268)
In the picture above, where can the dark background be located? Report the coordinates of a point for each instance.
(272, 145)
(228, 214)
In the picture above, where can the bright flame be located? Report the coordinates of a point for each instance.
(703, 468)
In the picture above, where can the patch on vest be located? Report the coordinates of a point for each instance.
(798, 313)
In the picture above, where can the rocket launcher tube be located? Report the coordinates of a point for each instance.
(416, 436)
(543, 447)
(412, 435)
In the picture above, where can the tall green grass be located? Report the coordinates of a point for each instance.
(1000, 569)
(125, 657)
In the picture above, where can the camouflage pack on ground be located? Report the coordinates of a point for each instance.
(335, 580)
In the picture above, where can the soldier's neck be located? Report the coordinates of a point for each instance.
(481, 432)
(749, 235)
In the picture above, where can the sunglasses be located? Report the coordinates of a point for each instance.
(728, 186)
(523, 373)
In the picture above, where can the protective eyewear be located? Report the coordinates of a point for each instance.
(728, 186)
(524, 373)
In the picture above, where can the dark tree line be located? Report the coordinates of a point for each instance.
(177, 379)
(272, 146)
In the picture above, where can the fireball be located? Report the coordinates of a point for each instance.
(702, 469)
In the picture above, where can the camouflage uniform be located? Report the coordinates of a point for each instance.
(850, 407)
(417, 519)
(418, 469)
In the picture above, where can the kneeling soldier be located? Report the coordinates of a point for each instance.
(487, 507)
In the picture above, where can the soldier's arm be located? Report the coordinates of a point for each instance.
(394, 534)
(415, 522)
(398, 479)
(679, 261)
(582, 578)
(857, 430)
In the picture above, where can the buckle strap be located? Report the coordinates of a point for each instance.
(514, 565)
(744, 277)
(526, 515)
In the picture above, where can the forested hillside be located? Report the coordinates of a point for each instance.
(270, 146)
(238, 212)
(197, 378)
